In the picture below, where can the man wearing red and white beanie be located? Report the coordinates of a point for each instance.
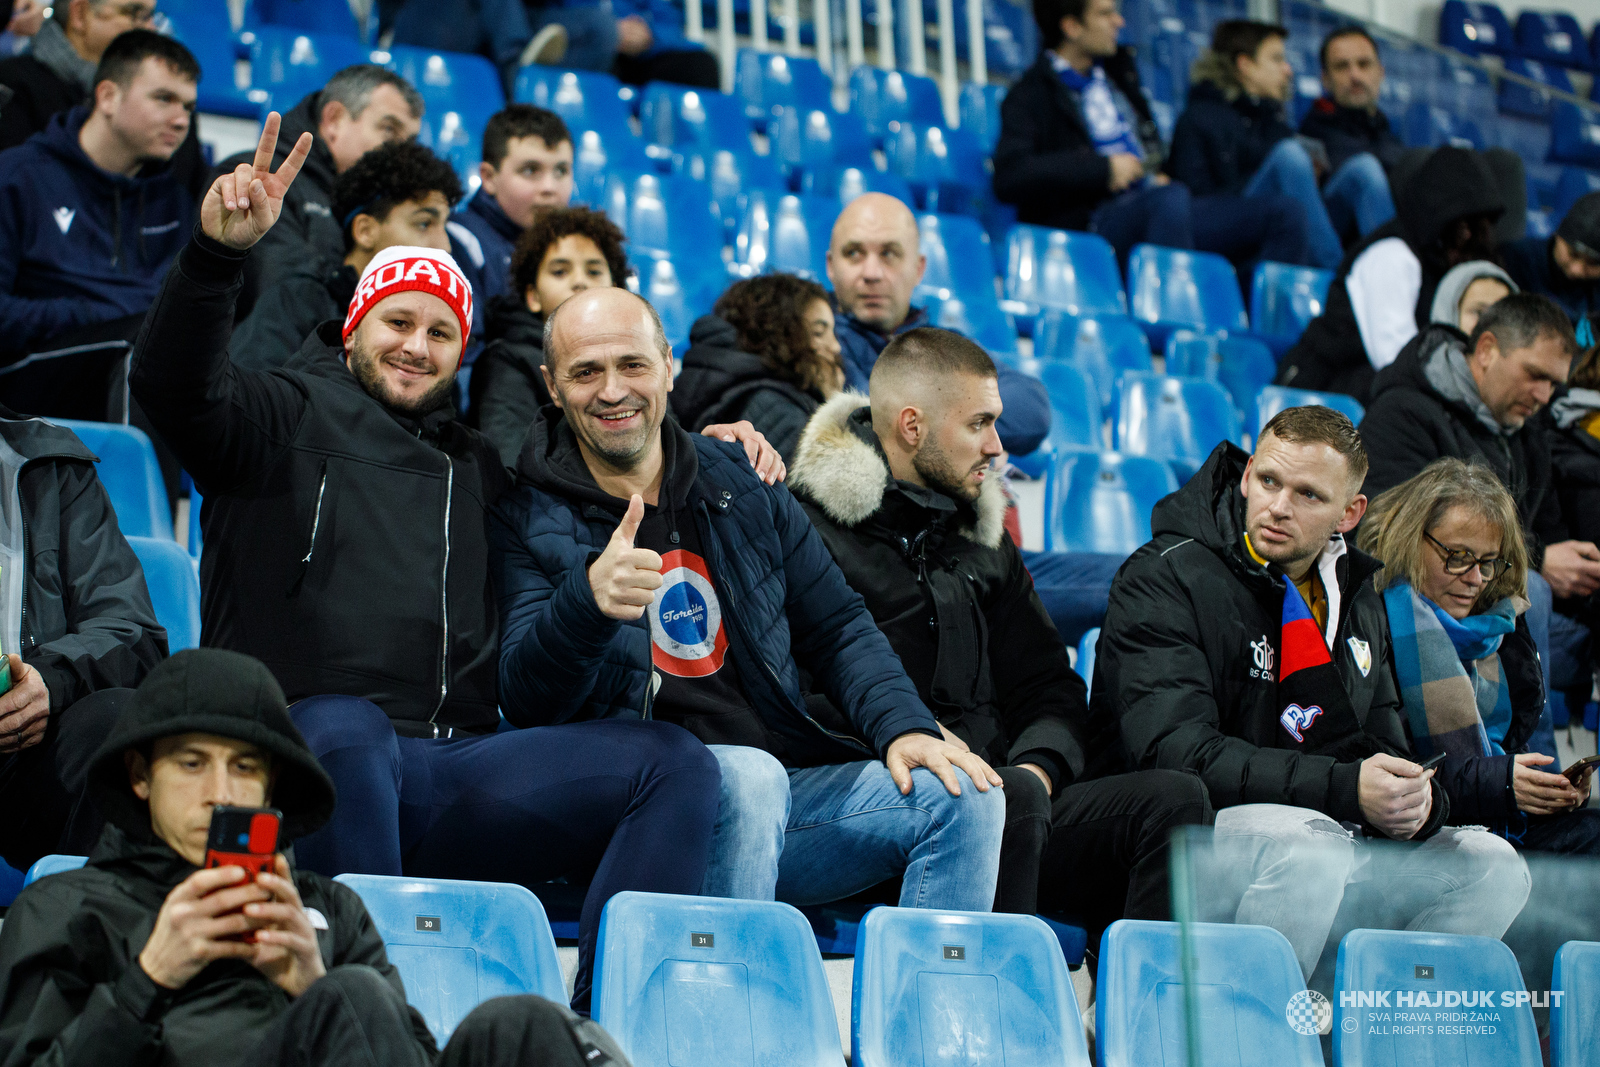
(345, 547)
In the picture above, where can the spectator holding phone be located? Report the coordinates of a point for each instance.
(139, 957)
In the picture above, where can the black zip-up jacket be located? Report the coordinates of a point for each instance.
(1045, 161)
(87, 621)
(345, 545)
(1349, 131)
(1224, 134)
(506, 388)
(1532, 265)
(1172, 684)
(289, 312)
(1409, 424)
(306, 235)
(721, 383)
(948, 589)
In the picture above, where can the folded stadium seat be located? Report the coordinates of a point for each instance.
(310, 16)
(847, 183)
(1429, 126)
(1541, 224)
(289, 64)
(1241, 365)
(766, 81)
(1174, 51)
(1575, 1021)
(1519, 99)
(1076, 417)
(1102, 346)
(980, 113)
(1097, 501)
(130, 473)
(1543, 180)
(1241, 979)
(786, 233)
(596, 157)
(461, 91)
(1574, 135)
(1552, 37)
(1086, 654)
(1530, 140)
(1409, 964)
(1574, 183)
(1474, 28)
(1283, 301)
(952, 987)
(174, 588)
(673, 115)
(204, 28)
(52, 864)
(665, 215)
(806, 139)
(730, 177)
(886, 98)
(958, 256)
(1459, 86)
(585, 100)
(1172, 287)
(982, 321)
(1072, 272)
(1179, 420)
(1274, 398)
(678, 298)
(698, 980)
(459, 943)
(1306, 86)
(944, 168)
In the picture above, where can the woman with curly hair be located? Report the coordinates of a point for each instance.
(767, 353)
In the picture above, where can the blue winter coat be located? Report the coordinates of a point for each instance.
(1023, 425)
(79, 245)
(493, 237)
(786, 603)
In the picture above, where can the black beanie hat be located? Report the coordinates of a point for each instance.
(226, 694)
(1582, 225)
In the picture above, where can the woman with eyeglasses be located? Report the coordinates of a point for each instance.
(1455, 586)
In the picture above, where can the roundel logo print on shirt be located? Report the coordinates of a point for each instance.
(687, 638)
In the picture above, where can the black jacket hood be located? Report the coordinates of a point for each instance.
(1409, 367)
(717, 374)
(552, 462)
(303, 118)
(212, 691)
(1451, 184)
(1209, 507)
(510, 320)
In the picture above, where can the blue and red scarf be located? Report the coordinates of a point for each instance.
(1316, 713)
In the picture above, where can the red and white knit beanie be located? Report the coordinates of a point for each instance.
(403, 267)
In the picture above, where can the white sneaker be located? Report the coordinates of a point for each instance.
(547, 46)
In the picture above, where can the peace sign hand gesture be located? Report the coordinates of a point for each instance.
(241, 207)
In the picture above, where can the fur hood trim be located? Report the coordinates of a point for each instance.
(846, 477)
(1211, 67)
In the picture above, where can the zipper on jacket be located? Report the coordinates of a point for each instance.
(22, 630)
(444, 594)
(316, 524)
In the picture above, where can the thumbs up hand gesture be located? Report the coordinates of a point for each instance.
(624, 578)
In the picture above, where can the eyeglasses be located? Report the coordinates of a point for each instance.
(1457, 561)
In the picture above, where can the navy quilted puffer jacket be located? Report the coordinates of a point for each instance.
(787, 604)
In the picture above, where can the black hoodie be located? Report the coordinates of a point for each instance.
(506, 389)
(1452, 184)
(73, 991)
(1224, 133)
(289, 312)
(1192, 619)
(722, 383)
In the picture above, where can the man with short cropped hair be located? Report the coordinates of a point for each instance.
(1245, 643)
(360, 108)
(90, 218)
(396, 194)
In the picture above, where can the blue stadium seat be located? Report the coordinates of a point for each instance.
(1274, 398)
(1179, 420)
(730, 177)
(1283, 301)
(980, 113)
(981, 320)
(11, 883)
(204, 28)
(196, 535)
(671, 115)
(766, 81)
(130, 473)
(1575, 1022)
(680, 289)
(290, 65)
(1103, 346)
(1394, 960)
(847, 183)
(52, 864)
(1087, 646)
(944, 168)
(1524, 100)
(1170, 287)
(1574, 135)
(805, 139)
(1474, 28)
(1174, 53)
(1241, 365)
(1075, 414)
(665, 215)
(1575, 182)
(886, 98)
(951, 987)
(1541, 224)
(308, 16)
(1429, 126)
(959, 260)
(458, 943)
(786, 233)
(460, 93)
(596, 157)
(1099, 501)
(174, 588)
(1242, 979)
(736, 983)
(1553, 37)
(1073, 272)
(585, 100)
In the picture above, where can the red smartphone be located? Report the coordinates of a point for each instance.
(243, 837)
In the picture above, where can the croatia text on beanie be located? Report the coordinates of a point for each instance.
(406, 267)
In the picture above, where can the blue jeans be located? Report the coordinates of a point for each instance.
(1074, 587)
(1247, 228)
(818, 834)
(1359, 193)
(1563, 645)
(1287, 171)
(638, 799)
(1156, 214)
(591, 33)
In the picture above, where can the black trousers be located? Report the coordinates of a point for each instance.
(43, 787)
(1022, 841)
(352, 1017)
(1107, 855)
(693, 66)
